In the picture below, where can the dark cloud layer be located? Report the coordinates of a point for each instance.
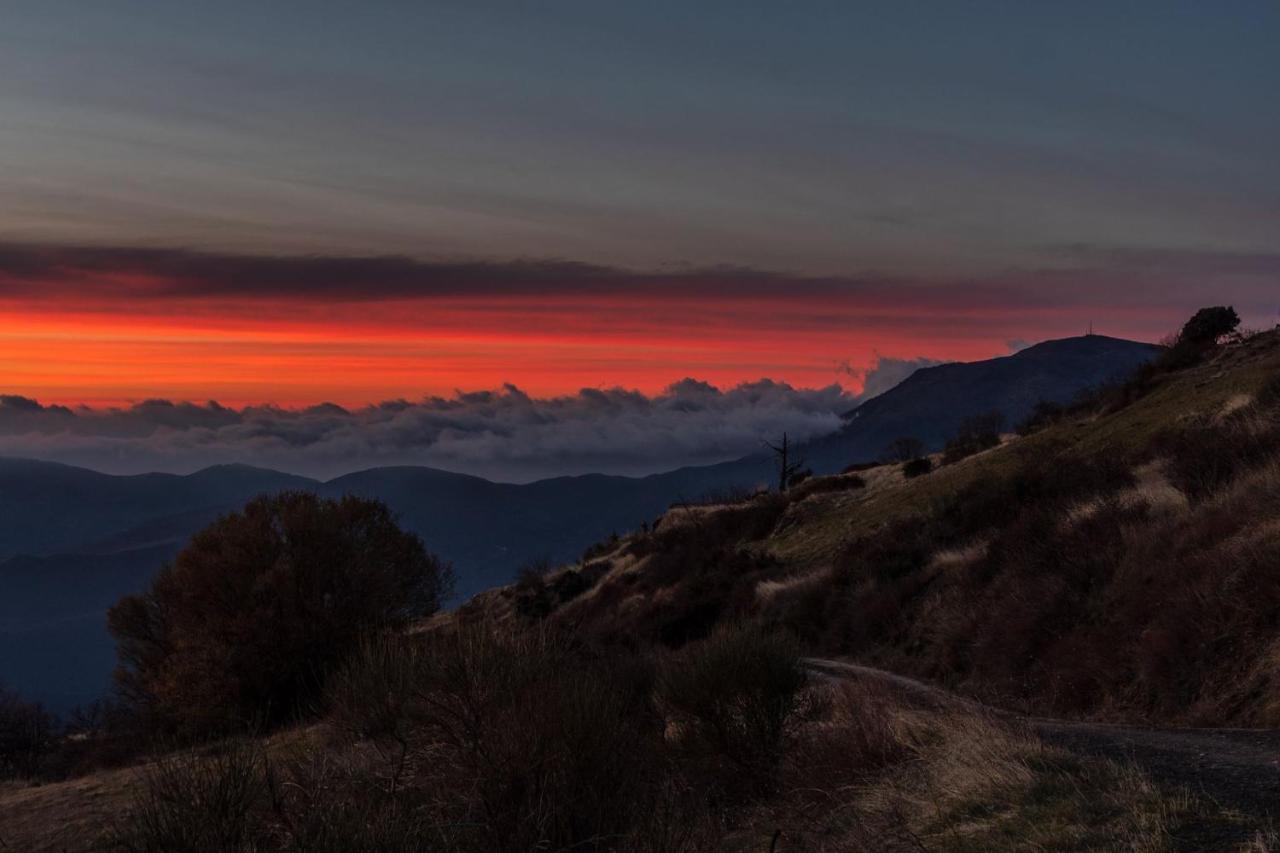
(1164, 281)
(28, 270)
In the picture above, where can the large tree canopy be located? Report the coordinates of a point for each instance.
(242, 627)
(1207, 325)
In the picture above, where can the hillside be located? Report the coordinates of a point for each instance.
(1118, 562)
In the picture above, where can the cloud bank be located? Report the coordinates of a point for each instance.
(502, 434)
(884, 373)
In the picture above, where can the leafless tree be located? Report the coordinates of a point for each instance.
(788, 465)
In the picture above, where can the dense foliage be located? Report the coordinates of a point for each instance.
(241, 629)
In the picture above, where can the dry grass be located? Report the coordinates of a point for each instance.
(982, 786)
(63, 816)
(881, 776)
(869, 770)
(767, 590)
(985, 787)
(958, 558)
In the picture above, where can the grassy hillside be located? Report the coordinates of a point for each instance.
(1120, 561)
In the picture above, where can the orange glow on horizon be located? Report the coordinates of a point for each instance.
(296, 353)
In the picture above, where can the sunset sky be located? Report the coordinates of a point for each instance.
(290, 203)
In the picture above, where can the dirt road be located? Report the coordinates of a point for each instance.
(1239, 768)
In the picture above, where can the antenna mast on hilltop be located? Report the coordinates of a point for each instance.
(1090, 332)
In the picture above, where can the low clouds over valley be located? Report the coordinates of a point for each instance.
(502, 434)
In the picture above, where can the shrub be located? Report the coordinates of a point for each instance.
(737, 696)
(103, 733)
(821, 485)
(975, 434)
(572, 583)
(893, 551)
(561, 748)
(722, 527)
(1268, 396)
(370, 695)
(917, 467)
(799, 477)
(534, 572)
(728, 496)
(600, 549)
(482, 740)
(337, 801)
(1044, 413)
(244, 624)
(192, 803)
(1205, 456)
(860, 737)
(703, 568)
(532, 598)
(28, 735)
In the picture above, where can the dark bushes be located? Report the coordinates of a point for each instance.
(104, 733)
(538, 594)
(978, 433)
(193, 803)
(799, 477)
(716, 528)
(600, 549)
(371, 695)
(1055, 482)
(485, 740)
(28, 736)
(1267, 399)
(886, 593)
(736, 696)
(508, 742)
(917, 467)
(1044, 413)
(1203, 457)
(703, 564)
(242, 628)
(824, 485)
(560, 748)
(728, 496)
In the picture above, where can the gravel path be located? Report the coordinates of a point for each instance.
(1238, 768)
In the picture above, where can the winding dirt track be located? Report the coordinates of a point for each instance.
(1238, 768)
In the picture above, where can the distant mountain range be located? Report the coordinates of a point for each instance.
(72, 541)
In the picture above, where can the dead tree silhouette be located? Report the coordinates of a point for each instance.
(788, 467)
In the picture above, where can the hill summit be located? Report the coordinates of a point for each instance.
(932, 403)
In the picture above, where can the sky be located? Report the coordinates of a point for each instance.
(291, 204)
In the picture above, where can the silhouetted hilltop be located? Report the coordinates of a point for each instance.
(932, 403)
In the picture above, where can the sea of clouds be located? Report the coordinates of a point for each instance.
(503, 434)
